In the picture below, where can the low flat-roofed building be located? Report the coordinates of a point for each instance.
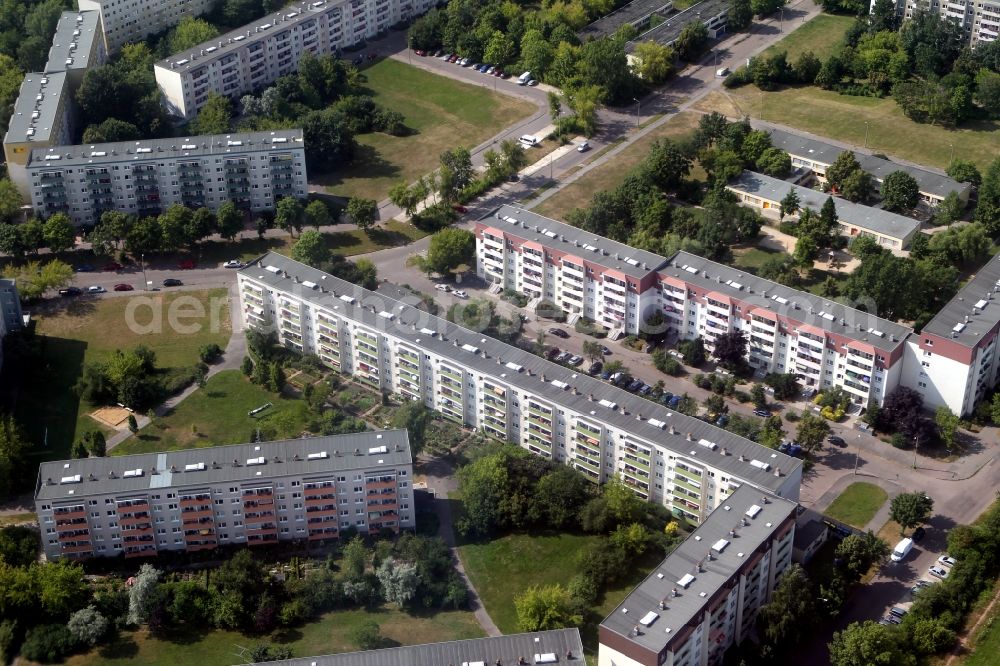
(713, 13)
(637, 13)
(890, 230)
(704, 597)
(557, 646)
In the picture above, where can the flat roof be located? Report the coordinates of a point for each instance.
(74, 38)
(34, 114)
(871, 219)
(630, 14)
(173, 148)
(683, 562)
(564, 644)
(824, 313)
(668, 31)
(576, 390)
(263, 461)
(574, 240)
(930, 182)
(978, 301)
(212, 49)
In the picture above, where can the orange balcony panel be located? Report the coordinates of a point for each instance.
(260, 539)
(134, 520)
(195, 514)
(131, 530)
(259, 492)
(381, 485)
(79, 549)
(318, 513)
(68, 526)
(265, 517)
(262, 527)
(257, 501)
(70, 536)
(318, 500)
(382, 507)
(69, 515)
(199, 534)
(196, 502)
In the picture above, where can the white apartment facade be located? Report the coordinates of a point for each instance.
(824, 342)
(143, 178)
(705, 596)
(979, 20)
(384, 340)
(42, 117)
(127, 21)
(252, 57)
(307, 489)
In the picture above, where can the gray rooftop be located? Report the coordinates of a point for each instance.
(525, 371)
(633, 13)
(100, 476)
(872, 219)
(668, 31)
(573, 240)
(564, 644)
(801, 306)
(34, 114)
(158, 149)
(684, 560)
(256, 30)
(74, 38)
(930, 182)
(978, 301)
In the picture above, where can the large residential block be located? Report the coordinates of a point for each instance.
(255, 55)
(979, 20)
(384, 340)
(890, 230)
(954, 360)
(133, 20)
(143, 178)
(252, 494)
(557, 646)
(705, 596)
(77, 45)
(825, 342)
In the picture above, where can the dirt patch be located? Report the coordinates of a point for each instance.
(112, 417)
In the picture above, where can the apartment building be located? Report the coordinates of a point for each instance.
(954, 360)
(817, 156)
(638, 14)
(764, 193)
(252, 494)
(826, 343)
(143, 178)
(255, 55)
(11, 318)
(713, 13)
(705, 596)
(77, 45)
(556, 646)
(382, 339)
(979, 20)
(127, 21)
(42, 117)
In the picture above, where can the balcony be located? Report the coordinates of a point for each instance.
(258, 518)
(196, 515)
(327, 511)
(74, 514)
(380, 485)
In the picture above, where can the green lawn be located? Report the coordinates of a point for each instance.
(987, 644)
(822, 35)
(329, 635)
(752, 258)
(440, 112)
(858, 504)
(84, 330)
(613, 172)
(217, 414)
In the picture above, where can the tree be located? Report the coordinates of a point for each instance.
(229, 220)
(857, 187)
(289, 215)
(111, 130)
(655, 62)
(459, 162)
(34, 279)
(988, 207)
(142, 593)
(399, 581)
(47, 643)
(900, 192)
(484, 485)
(59, 233)
(692, 40)
(859, 552)
(317, 215)
(812, 431)
(791, 614)
(311, 249)
(133, 425)
(328, 139)
(540, 608)
(368, 636)
(964, 171)
(789, 205)
(740, 15)
(355, 558)
(190, 32)
(414, 417)
(667, 165)
(449, 249)
(785, 385)
(775, 162)
(844, 165)
(910, 509)
(364, 212)
(499, 50)
(806, 67)
(13, 456)
(87, 626)
(766, 7)
(869, 644)
(537, 54)
(730, 348)
(693, 351)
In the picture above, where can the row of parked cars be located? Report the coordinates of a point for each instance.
(485, 68)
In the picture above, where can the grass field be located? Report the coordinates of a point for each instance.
(437, 110)
(613, 172)
(752, 258)
(87, 330)
(858, 504)
(217, 414)
(822, 35)
(329, 635)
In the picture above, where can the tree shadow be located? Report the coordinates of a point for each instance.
(185, 635)
(368, 162)
(122, 647)
(286, 635)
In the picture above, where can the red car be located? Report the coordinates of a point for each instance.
(420, 53)
(123, 287)
(186, 264)
(459, 208)
(112, 266)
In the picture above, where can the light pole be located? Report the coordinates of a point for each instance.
(781, 20)
(142, 265)
(762, 106)
(914, 452)
(857, 456)
(638, 106)
(952, 158)
(866, 133)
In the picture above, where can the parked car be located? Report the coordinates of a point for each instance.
(112, 266)
(583, 146)
(575, 360)
(84, 268)
(722, 421)
(674, 402)
(938, 572)
(594, 368)
(420, 52)
(563, 357)
(837, 441)
(605, 351)
(605, 375)
(890, 619)
(532, 82)
(123, 287)
(645, 389)
(70, 291)
(558, 332)
(186, 264)
(947, 561)
(617, 377)
(459, 293)
(459, 208)
(666, 397)
(553, 352)
(633, 385)
(898, 611)
(96, 289)
(763, 413)
(172, 282)
(442, 287)
(676, 354)
(233, 263)
(918, 534)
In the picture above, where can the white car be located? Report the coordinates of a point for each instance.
(442, 287)
(233, 263)
(460, 293)
(96, 289)
(583, 146)
(939, 572)
(947, 561)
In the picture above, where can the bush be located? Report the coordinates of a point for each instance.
(210, 353)
(900, 441)
(739, 77)
(48, 643)
(176, 380)
(789, 227)
(792, 416)
(588, 327)
(551, 311)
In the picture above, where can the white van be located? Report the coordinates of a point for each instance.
(901, 550)
(524, 78)
(529, 141)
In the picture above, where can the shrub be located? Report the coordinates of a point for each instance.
(587, 327)
(900, 441)
(551, 311)
(48, 643)
(789, 227)
(176, 380)
(792, 416)
(210, 353)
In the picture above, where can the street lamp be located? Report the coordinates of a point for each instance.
(762, 106)
(781, 20)
(914, 452)
(142, 265)
(638, 106)
(857, 456)
(952, 158)
(866, 133)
